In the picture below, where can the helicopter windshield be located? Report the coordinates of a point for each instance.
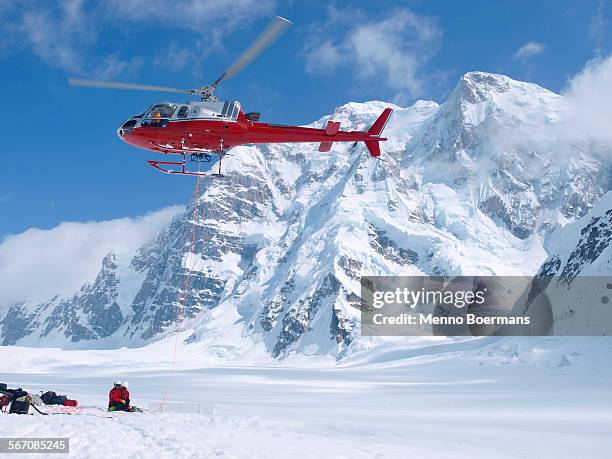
(162, 111)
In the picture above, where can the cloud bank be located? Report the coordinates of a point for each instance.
(590, 93)
(42, 263)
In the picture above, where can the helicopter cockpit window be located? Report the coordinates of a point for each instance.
(158, 115)
(162, 111)
(183, 112)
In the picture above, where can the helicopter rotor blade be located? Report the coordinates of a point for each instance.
(118, 85)
(267, 37)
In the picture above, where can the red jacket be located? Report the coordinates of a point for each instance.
(119, 394)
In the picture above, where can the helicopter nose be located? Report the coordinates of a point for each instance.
(125, 127)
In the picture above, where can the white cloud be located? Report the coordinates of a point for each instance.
(177, 57)
(392, 51)
(55, 34)
(112, 66)
(528, 50)
(584, 116)
(211, 21)
(65, 33)
(598, 27)
(41, 263)
(590, 93)
(62, 34)
(203, 16)
(323, 57)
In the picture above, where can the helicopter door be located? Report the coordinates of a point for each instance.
(159, 117)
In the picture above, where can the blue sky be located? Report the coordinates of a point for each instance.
(63, 161)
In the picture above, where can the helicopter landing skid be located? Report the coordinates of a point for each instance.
(179, 168)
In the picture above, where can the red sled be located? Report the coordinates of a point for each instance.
(71, 403)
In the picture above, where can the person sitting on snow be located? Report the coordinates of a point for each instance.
(119, 397)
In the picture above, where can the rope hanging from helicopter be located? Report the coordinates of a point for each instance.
(181, 301)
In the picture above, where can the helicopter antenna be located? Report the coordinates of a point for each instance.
(206, 93)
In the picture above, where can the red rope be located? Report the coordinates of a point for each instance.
(183, 301)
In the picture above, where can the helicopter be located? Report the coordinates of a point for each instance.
(202, 129)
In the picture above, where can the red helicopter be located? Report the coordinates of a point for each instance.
(212, 127)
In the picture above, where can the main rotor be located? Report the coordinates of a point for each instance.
(207, 92)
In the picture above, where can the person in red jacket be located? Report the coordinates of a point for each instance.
(119, 397)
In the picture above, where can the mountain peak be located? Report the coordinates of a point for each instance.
(488, 77)
(474, 87)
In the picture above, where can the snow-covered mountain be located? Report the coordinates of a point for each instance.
(472, 186)
(575, 282)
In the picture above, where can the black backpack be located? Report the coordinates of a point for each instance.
(47, 397)
(51, 398)
(20, 406)
(20, 403)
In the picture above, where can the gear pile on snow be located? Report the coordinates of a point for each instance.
(18, 401)
(14, 401)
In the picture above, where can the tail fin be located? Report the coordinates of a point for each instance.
(381, 122)
(325, 146)
(331, 130)
(373, 145)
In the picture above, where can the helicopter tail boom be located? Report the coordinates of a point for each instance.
(372, 136)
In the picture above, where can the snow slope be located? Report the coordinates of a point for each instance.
(474, 398)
